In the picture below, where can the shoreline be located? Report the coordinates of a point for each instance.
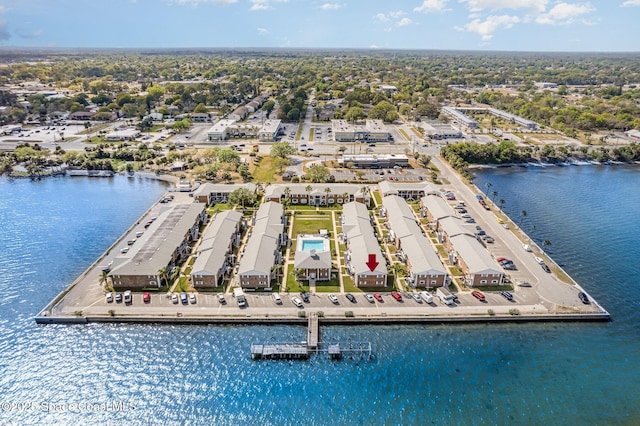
(548, 299)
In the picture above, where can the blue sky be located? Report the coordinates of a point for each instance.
(520, 25)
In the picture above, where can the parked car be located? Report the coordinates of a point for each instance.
(304, 297)
(128, 298)
(118, 297)
(108, 297)
(417, 297)
(296, 302)
(351, 297)
(183, 298)
(369, 297)
(507, 295)
(478, 295)
(333, 299)
(221, 299)
(584, 298)
(124, 250)
(174, 299)
(545, 268)
(146, 297)
(276, 298)
(377, 296)
(192, 298)
(396, 296)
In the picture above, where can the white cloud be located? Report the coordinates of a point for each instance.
(398, 18)
(491, 24)
(331, 6)
(263, 31)
(564, 13)
(431, 6)
(263, 4)
(630, 3)
(532, 5)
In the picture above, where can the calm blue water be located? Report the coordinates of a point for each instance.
(309, 244)
(481, 374)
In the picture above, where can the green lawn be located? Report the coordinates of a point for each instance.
(332, 286)
(307, 225)
(406, 136)
(265, 171)
(378, 198)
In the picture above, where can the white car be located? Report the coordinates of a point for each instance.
(124, 250)
(333, 299)
(192, 299)
(296, 302)
(276, 298)
(417, 297)
(369, 298)
(108, 297)
(174, 299)
(127, 297)
(538, 259)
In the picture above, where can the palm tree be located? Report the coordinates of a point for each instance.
(523, 213)
(104, 279)
(308, 188)
(546, 243)
(501, 202)
(365, 191)
(494, 194)
(162, 276)
(327, 191)
(488, 185)
(287, 191)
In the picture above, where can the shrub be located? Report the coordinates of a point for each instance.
(491, 312)
(514, 311)
(349, 314)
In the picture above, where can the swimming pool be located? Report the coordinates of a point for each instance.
(317, 244)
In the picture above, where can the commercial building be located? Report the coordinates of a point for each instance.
(441, 131)
(363, 258)
(262, 254)
(371, 131)
(412, 246)
(269, 131)
(220, 130)
(215, 252)
(374, 161)
(211, 193)
(317, 194)
(477, 265)
(162, 246)
(122, 135)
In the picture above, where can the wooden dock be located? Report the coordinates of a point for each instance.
(313, 332)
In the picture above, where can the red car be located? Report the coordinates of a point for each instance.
(396, 296)
(500, 259)
(146, 297)
(377, 296)
(478, 295)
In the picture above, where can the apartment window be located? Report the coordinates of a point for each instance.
(483, 281)
(433, 282)
(152, 283)
(421, 281)
(494, 281)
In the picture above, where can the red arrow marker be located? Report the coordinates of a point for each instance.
(372, 263)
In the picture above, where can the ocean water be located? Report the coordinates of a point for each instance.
(554, 373)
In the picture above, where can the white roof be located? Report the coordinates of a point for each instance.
(437, 207)
(475, 256)
(362, 242)
(260, 252)
(221, 126)
(215, 243)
